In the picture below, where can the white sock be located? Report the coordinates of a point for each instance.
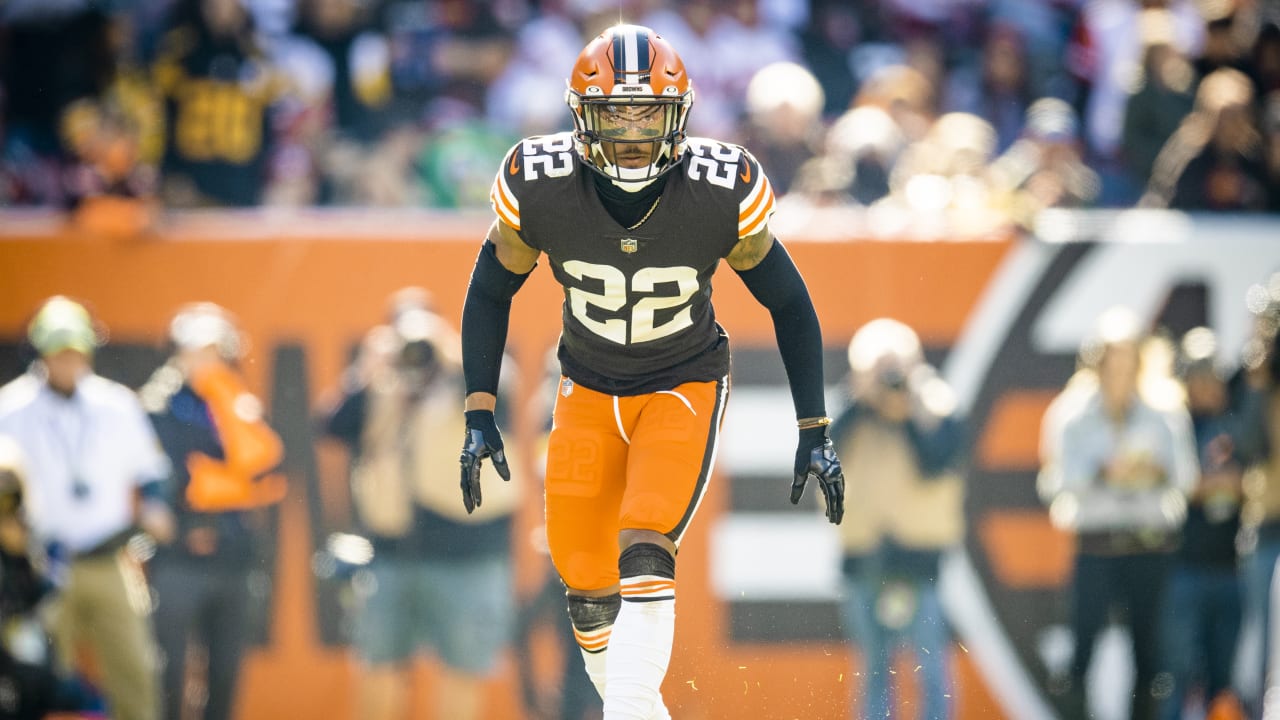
(640, 645)
(595, 662)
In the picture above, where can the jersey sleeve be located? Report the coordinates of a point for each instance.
(755, 208)
(501, 197)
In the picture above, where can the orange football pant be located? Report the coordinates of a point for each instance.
(637, 462)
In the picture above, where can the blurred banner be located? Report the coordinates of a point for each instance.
(758, 633)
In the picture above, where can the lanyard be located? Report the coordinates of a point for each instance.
(71, 449)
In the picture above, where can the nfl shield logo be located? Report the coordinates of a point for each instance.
(630, 245)
(566, 387)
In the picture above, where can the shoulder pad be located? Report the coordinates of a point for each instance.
(735, 169)
(531, 160)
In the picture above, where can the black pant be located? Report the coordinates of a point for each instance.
(1134, 587)
(207, 606)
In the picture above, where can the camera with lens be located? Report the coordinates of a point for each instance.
(417, 358)
(418, 355)
(892, 378)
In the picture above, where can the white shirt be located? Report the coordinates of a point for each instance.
(98, 439)
(1087, 440)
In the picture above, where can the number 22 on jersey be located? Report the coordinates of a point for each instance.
(640, 324)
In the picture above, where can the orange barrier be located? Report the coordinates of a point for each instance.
(321, 280)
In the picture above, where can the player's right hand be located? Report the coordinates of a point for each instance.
(482, 441)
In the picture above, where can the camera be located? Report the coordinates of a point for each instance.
(892, 379)
(417, 355)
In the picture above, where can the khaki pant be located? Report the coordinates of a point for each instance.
(106, 605)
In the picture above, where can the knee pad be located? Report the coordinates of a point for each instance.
(592, 619)
(648, 573)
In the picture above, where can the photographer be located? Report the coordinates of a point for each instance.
(223, 454)
(901, 446)
(442, 578)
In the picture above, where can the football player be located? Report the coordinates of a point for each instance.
(634, 217)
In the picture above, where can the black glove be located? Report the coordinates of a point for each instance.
(816, 457)
(482, 441)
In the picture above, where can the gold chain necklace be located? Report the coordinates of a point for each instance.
(652, 207)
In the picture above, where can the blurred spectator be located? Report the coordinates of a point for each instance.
(1203, 612)
(1106, 52)
(907, 94)
(827, 44)
(544, 52)
(868, 142)
(108, 188)
(1266, 59)
(1118, 461)
(355, 57)
(901, 446)
(821, 182)
(221, 450)
(447, 48)
(783, 123)
(33, 685)
(439, 578)
(1228, 38)
(1003, 90)
(1259, 446)
(96, 474)
(51, 54)
(1216, 159)
(1271, 138)
(1044, 169)
(218, 87)
(743, 43)
(1042, 26)
(1162, 96)
(341, 103)
(939, 185)
(455, 164)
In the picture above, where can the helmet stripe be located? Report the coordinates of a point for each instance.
(631, 53)
(642, 52)
(619, 57)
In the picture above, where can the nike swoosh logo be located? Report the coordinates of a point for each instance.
(745, 174)
(514, 167)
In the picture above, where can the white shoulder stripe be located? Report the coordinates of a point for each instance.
(750, 199)
(762, 210)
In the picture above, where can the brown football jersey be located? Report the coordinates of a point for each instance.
(637, 302)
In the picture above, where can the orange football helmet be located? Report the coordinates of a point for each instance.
(630, 98)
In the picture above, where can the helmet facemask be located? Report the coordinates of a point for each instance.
(634, 139)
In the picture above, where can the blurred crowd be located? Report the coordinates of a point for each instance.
(981, 112)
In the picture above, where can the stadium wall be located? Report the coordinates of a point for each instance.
(1001, 316)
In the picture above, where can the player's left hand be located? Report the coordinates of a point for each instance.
(816, 458)
(482, 441)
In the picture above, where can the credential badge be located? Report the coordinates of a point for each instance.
(629, 245)
(566, 387)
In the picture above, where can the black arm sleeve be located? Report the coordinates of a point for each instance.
(777, 285)
(485, 317)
